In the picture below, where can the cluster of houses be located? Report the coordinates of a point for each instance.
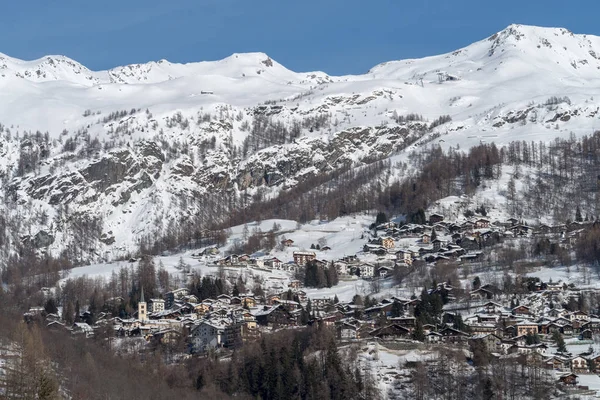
(457, 241)
(226, 321)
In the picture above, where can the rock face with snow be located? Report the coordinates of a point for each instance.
(130, 152)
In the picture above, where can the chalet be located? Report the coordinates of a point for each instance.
(468, 226)
(82, 328)
(484, 329)
(193, 299)
(437, 244)
(493, 308)
(520, 230)
(384, 271)
(342, 268)
(511, 222)
(367, 270)
(435, 218)
(224, 298)
(482, 223)
(550, 328)
(579, 315)
(555, 313)
(287, 242)
(579, 364)
(567, 329)
(303, 257)
(452, 335)
(256, 262)
(472, 257)
(586, 334)
(387, 242)
(558, 363)
(433, 337)
(593, 324)
(569, 379)
(295, 284)
(248, 301)
(56, 325)
(555, 286)
(202, 308)
(481, 294)
(375, 249)
(491, 342)
(390, 332)
(407, 322)
(524, 328)
(289, 305)
(275, 316)
(165, 336)
(207, 334)
(469, 244)
(273, 263)
(426, 238)
(348, 331)
(456, 237)
(521, 310)
(539, 348)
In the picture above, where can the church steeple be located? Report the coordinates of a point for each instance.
(142, 308)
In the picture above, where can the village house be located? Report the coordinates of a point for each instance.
(452, 335)
(579, 365)
(404, 256)
(287, 242)
(482, 223)
(569, 379)
(273, 263)
(321, 302)
(392, 331)
(207, 334)
(156, 305)
(426, 238)
(303, 257)
(275, 316)
(173, 295)
(491, 342)
(435, 218)
(524, 328)
(367, 270)
(387, 242)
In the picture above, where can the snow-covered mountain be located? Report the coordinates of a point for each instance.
(131, 152)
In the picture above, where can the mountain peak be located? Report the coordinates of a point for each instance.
(517, 35)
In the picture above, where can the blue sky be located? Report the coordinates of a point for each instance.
(338, 37)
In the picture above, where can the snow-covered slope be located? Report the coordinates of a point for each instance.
(135, 148)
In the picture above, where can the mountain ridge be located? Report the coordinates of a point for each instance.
(121, 162)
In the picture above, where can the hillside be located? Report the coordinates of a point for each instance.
(94, 163)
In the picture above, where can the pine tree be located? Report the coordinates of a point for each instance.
(418, 333)
(560, 342)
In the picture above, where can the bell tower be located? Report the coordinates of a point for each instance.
(142, 308)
